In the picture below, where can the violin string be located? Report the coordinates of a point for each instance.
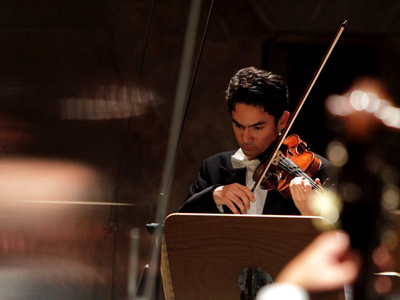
(291, 168)
(295, 169)
(299, 173)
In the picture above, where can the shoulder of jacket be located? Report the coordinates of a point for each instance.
(221, 156)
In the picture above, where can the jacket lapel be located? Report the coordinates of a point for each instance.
(231, 176)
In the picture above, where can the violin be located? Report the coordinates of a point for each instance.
(284, 155)
(292, 160)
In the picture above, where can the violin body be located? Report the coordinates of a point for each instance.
(292, 160)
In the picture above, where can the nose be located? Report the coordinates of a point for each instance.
(247, 136)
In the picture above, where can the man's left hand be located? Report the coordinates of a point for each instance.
(301, 190)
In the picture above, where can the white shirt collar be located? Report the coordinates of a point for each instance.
(239, 160)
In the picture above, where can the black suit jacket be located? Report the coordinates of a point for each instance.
(217, 170)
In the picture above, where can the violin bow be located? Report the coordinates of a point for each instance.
(299, 105)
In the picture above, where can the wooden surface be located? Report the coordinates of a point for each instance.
(207, 252)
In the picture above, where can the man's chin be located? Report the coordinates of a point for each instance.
(250, 154)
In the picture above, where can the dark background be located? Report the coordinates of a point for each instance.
(79, 82)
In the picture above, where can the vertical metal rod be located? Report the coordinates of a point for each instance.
(175, 130)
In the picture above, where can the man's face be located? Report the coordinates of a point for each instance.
(255, 129)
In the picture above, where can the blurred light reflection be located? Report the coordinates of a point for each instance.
(327, 206)
(359, 100)
(108, 102)
(366, 95)
(390, 197)
(337, 153)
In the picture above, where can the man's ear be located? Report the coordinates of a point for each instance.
(282, 122)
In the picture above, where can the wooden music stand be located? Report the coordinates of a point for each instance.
(204, 254)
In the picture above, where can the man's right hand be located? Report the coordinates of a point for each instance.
(234, 194)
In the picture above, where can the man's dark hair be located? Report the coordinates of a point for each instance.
(256, 87)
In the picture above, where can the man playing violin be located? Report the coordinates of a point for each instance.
(258, 103)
